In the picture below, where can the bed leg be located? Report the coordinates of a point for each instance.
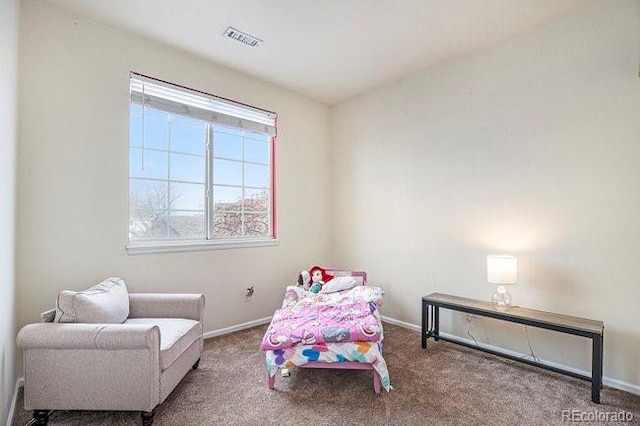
(376, 381)
(272, 381)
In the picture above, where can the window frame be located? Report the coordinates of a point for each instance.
(209, 242)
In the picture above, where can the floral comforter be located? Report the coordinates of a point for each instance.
(299, 348)
(319, 318)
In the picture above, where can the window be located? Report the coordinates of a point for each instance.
(201, 170)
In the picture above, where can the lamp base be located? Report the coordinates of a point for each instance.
(501, 299)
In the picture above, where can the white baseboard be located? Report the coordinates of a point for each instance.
(14, 400)
(402, 324)
(237, 327)
(607, 381)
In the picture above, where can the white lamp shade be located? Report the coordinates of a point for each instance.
(502, 269)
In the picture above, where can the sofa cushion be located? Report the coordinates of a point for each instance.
(176, 335)
(104, 303)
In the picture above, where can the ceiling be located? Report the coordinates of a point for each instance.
(329, 50)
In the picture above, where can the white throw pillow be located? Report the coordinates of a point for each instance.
(104, 303)
(339, 283)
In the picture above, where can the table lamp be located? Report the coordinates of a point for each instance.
(502, 270)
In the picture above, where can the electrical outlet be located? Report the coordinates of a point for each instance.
(470, 317)
(248, 293)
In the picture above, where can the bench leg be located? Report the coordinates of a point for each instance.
(425, 312)
(436, 323)
(596, 368)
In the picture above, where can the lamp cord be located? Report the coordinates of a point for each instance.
(532, 354)
(469, 320)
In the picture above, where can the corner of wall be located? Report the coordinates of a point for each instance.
(9, 17)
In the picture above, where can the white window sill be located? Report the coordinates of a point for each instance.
(155, 247)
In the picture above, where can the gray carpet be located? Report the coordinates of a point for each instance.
(444, 384)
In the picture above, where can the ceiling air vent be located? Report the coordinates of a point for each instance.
(245, 38)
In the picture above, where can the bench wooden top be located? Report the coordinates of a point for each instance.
(551, 318)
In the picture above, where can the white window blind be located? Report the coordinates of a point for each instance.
(201, 170)
(190, 103)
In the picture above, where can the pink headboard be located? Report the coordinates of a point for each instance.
(335, 272)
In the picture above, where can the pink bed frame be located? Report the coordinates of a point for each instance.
(344, 365)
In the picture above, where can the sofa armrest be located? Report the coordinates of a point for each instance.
(160, 305)
(75, 366)
(89, 336)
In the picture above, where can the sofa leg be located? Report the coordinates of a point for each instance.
(196, 365)
(41, 417)
(147, 417)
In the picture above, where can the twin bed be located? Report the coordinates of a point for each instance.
(339, 327)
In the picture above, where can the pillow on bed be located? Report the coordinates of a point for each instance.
(292, 295)
(339, 283)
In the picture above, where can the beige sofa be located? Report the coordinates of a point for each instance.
(93, 365)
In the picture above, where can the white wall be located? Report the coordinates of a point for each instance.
(529, 147)
(73, 173)
(9, 11)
